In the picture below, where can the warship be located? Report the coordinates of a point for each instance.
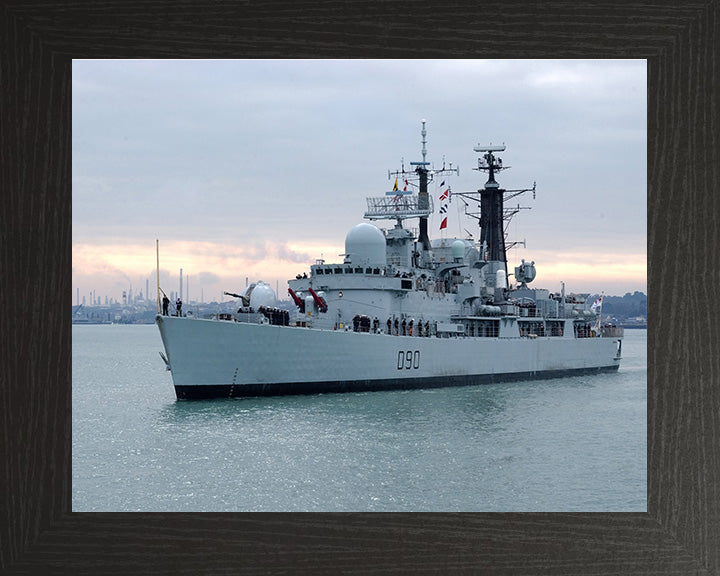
(400, 311)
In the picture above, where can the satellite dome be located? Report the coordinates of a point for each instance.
(458, 249)
(365, 244)
(262, 295)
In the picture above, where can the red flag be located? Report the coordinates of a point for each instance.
(443, 224)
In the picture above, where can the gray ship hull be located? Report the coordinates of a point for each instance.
(215, 358)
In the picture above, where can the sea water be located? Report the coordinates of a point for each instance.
(566, 444)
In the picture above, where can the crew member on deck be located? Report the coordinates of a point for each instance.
(166, 303)
(178, 305)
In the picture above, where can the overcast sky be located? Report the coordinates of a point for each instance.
(256, 168)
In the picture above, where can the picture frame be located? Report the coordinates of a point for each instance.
(680, 532)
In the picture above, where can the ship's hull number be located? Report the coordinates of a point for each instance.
(408, 360)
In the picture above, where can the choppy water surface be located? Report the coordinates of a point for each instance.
(569, 444)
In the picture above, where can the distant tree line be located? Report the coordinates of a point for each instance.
(627, 306)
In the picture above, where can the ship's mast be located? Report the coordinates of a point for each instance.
(424, 204)
(492, 210)
(423, 197)
(491, 206)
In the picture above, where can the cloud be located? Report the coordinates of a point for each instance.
(285, 253)
(206, 278)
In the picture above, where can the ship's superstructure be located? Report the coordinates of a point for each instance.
(399, 311)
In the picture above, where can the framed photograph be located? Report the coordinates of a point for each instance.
(40, 532)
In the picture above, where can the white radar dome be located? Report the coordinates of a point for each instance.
(365, 244)
(262, 295)
(458, 249)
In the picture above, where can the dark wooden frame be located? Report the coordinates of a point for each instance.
(680, 533)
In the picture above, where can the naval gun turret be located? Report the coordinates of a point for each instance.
(256, 295)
